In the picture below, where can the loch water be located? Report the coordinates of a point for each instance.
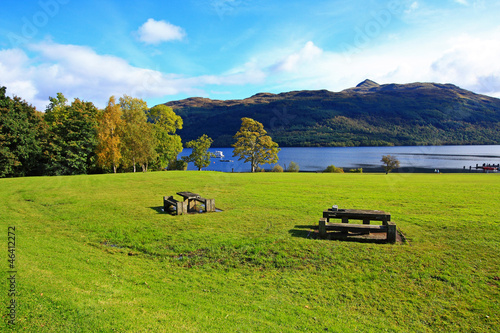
(412, 158)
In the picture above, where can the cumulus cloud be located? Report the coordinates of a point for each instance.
(293, 61)
(473, 61)
(78, 71)
(469, 61)
(156, 32)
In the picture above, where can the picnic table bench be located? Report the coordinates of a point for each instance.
(170, 202)
(357, 214)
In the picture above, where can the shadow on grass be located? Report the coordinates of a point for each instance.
(159, 209)
(312, 233)
(300, 233)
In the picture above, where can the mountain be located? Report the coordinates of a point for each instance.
(366, 115)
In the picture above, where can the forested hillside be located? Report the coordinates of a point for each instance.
(367, 115)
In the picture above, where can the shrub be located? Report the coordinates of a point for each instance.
(359, 170)
(178, 165)
(293, 167)
(277, 168)
(333, 169)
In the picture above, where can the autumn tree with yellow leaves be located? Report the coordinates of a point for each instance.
(109, 136)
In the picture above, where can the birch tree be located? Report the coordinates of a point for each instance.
(109, 136)
(138, 140)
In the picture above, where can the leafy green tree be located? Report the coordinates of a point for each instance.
(253, 145)
(138, 135)
(390, 163)
(165, 123)
(178, 165)
(200, 155)
(22, 133)
(72, 138)
(109, 136)
(293, 167)
(333, 169)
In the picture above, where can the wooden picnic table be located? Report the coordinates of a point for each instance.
(358, 214)
(191, 198)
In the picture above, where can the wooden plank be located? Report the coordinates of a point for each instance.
(321, 227)
(210, 205)
(358, 214)
(349, 227)
(188, 195)
(391, 232)
(180, 206)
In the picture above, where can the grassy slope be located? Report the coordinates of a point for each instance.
(248, 268)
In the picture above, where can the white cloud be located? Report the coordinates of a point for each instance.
(462, 2)
(473, 61)
(156, 32)
(78, 71)
(469, 61)
(414, 6)
(293, 61)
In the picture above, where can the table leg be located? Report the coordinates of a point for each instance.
(191, 204)
(345, 220)
(366, 221)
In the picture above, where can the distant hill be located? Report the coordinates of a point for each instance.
(366, 115)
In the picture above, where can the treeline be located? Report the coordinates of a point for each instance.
(79, 138)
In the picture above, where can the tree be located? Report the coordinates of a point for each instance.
(333, 169)
(109, 136)
(72, 138)
(277, 168)
(293, 167)
(138, 139)
(165, 123)
(200, 155)
(22, 134)
(390, 163)
(253, 145)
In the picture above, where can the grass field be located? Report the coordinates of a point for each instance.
(96, 254)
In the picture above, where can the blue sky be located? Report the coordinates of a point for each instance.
(231, 49)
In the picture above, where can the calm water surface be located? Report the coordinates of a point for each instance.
(414, 157)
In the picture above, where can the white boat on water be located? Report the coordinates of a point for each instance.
(219, 154)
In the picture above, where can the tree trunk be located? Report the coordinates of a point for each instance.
(133, 160)
(114, 168)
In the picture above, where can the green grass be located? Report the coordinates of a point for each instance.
(95, 254)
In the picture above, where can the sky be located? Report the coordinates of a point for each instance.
(168, 50)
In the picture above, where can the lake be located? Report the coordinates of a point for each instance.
(412, 158)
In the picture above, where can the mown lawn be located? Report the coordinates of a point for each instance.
(96, 254)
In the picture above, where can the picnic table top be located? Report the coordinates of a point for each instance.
(188, 195)
(357, 213)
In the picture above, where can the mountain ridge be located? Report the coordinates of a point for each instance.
(368, 114)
